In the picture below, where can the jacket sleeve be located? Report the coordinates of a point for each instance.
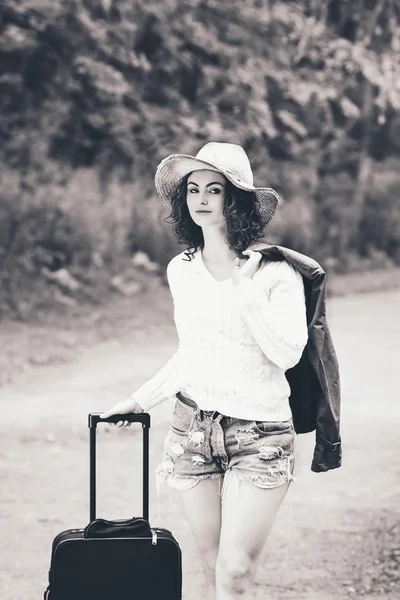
(164, 383)
(273, 307)
(328, 446)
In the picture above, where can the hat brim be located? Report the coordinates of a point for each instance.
(176, 166)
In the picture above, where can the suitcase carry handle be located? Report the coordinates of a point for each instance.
(93, 420)
(144, 418)
(102, 528)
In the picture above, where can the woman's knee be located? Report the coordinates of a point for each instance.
(234, 574)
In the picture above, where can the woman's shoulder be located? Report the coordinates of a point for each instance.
(182, 263)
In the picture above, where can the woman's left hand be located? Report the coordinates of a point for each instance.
(247, 269)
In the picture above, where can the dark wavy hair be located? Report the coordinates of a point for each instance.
(241, 210)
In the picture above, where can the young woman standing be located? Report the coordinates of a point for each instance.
(241, 323)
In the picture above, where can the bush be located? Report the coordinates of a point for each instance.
(96, 93)
(59, 225)
(380, 225)
(294, 225)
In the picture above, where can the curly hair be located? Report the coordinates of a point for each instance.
(241, 210)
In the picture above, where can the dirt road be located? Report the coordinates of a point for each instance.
(332, 527)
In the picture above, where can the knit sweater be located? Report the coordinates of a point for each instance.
(235, 340)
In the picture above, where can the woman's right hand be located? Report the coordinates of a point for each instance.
(122, 408)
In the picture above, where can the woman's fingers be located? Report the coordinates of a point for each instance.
(254, 257)
(109, 413)
(250, 265)
(121, 408)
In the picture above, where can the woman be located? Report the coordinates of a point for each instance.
(241, 325)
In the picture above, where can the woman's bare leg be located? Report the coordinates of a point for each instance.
(248, 513)
(202, 505)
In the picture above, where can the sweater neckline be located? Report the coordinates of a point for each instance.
(207, 272)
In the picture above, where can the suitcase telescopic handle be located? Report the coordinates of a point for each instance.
(93, 420)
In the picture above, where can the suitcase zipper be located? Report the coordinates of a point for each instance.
(154, 535)
(66, 534)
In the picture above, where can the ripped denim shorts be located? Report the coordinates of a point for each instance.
(201, 445)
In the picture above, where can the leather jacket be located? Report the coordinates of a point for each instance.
(314, 381)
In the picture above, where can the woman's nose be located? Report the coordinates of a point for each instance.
(204, 199)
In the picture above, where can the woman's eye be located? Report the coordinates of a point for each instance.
(192, 190)
(215, 191)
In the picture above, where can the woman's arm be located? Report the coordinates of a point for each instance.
(160, 387)
(273, 306)
(154, 391)
(164, 383)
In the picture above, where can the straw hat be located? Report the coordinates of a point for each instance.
(229, 159)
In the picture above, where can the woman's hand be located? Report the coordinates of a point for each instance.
(248, 268)
(123, 408)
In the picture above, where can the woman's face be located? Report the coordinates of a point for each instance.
(205, 198)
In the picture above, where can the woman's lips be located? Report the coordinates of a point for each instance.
(203, 211)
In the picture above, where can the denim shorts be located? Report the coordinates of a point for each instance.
(201, 445)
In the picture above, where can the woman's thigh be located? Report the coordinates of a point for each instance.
(248, 513)
(202, 507)
(188, 465)
(260, 469)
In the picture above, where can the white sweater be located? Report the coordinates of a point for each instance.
(235, 341)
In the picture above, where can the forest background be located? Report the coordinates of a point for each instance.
(94, 93)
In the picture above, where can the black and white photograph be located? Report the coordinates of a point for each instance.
(199, 299)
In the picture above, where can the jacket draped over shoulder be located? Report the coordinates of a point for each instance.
(314, 380)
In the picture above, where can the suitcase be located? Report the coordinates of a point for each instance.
(116, 560)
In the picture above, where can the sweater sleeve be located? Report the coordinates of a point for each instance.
(273, 307)
(164, 383)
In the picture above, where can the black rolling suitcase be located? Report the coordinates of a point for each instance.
(116, 560)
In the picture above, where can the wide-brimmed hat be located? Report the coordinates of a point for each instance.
(229, 159)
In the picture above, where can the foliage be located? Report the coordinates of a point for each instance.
(310, 89)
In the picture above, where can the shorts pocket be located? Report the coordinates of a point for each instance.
(274, 427)
(182, 418)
